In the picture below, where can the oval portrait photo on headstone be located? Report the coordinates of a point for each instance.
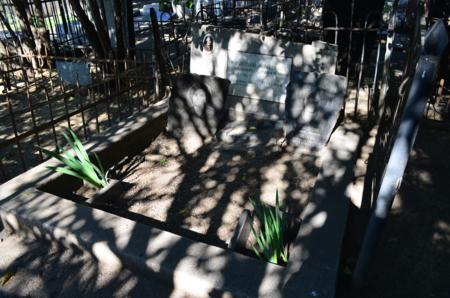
(208, 43)
(198, 98)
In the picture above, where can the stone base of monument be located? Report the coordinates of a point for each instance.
(252, 134)
(196, 109)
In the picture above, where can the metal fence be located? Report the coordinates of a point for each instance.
(27, 88)
(64, 29)
(86, 95)
(423, 78)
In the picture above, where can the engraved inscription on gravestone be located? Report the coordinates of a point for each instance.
(312, 108)
(258, 76)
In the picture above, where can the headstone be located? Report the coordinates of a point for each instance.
(313, 103)
(258, 67)
(210, 45)
(258, 76)
(196, 109)
(69, 72)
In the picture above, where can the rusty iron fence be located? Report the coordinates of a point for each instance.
(40, 103)
(36, 102)
(64, 29)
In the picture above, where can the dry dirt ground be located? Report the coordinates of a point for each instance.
(206, 191)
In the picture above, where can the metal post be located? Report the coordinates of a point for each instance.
(422, 88)
(361, 65)
(349, 50)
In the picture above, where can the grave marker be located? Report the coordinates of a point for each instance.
(258, 67)
(313, 103)
(196, 109)
(258, 76)
(69, 72)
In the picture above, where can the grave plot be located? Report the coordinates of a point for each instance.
(192, 163)
(203, 170)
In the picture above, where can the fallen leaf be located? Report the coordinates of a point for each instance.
(6, 277)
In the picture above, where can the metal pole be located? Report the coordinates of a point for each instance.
(361, 65)
(350, 37)
(422, 88)
(375, 75)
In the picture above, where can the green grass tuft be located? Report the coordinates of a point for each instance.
(270, 244)
(78, 163)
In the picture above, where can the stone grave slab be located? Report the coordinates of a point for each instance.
(196, 109)
(258, 76)
(313, 104)
(210, 45)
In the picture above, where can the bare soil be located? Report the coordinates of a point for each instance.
(206, 191)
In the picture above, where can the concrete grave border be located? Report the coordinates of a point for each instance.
(192, 267)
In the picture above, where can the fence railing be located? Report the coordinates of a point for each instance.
(61, 22)
(86, 95)
(422, 87)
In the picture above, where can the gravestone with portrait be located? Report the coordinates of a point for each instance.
(196, 109)
(259, 67)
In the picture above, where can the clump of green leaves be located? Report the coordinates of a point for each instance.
(163, 161)
(270, 244)
(78, 163)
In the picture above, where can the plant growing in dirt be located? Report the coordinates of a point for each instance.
(270, 245)
(78, 164)
(163, 161)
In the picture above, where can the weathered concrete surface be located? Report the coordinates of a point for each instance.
(187, 266)
(314, 260)
(45, 269)
(312, 108)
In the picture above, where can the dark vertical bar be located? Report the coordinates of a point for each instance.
(349, 50)
(51, 118)
(137, 85)
(63, 17)
(128, 79)
(95, 108)
(16, 135)
(106, 93)
(81, 108)
(66, 108)
(2, 169)
(33, 119)
(117, 85)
